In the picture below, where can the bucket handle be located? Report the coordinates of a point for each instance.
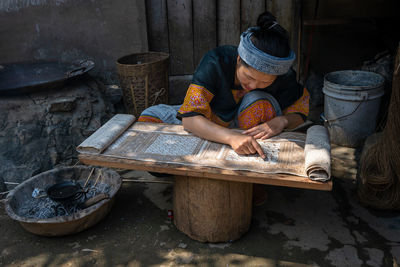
(364, 96)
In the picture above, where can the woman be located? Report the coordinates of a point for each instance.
(251, 87)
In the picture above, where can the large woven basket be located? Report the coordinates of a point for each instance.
(144, 80)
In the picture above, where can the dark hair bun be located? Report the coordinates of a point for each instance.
(271, 38)
(266, 20)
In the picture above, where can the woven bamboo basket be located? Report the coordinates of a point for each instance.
(144, 80)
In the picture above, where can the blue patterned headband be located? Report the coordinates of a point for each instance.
(260, 60)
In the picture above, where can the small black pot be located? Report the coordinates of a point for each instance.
(65, 191)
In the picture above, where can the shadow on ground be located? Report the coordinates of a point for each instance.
(296, 227)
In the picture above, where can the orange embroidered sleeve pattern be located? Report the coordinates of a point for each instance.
(197, 100)
(301, 105)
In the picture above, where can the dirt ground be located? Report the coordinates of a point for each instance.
(295, 227)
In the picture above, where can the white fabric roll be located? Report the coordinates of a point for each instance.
(317, 154)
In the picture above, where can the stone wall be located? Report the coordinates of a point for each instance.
(41, 130)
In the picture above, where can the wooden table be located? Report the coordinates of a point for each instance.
(213, 189)
(210, 204)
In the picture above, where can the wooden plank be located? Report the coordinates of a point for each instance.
(204, 27)
(287, 15)
(297, 36)
(249, 13)
(206, 172)
(228, 12)
(180, 36)
(283, 10)
(157, 25)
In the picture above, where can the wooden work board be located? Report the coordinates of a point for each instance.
(207, 172)
(127, 151)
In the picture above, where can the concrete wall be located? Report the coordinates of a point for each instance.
(69, 30)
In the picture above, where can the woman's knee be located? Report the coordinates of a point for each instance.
(256, 113)
(255, 96)
(150, 114)
(160, 113)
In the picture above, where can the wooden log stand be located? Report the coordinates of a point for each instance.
(210, 210)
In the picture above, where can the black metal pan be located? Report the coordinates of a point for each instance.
(65, 191)
(30, 77)
(69, 191)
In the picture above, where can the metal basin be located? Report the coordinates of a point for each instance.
(62, 225)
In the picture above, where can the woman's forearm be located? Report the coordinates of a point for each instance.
(206, 129)
(275, 126)
(293, 120)
(240, 143)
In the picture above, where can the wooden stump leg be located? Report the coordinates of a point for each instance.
(211, 210)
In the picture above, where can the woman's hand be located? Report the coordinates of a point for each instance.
(268, 129)
(245, 145)
(240, 143)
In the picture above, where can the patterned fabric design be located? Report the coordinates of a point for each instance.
(258, 112)
(145, 118)
(301, 105)
(197, 100)
(238, 94)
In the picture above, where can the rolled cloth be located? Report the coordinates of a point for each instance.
(260, 60)
(317, 154)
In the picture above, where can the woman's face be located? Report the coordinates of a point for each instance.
(250, 78)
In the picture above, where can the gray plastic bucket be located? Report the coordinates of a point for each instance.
(352, 101)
